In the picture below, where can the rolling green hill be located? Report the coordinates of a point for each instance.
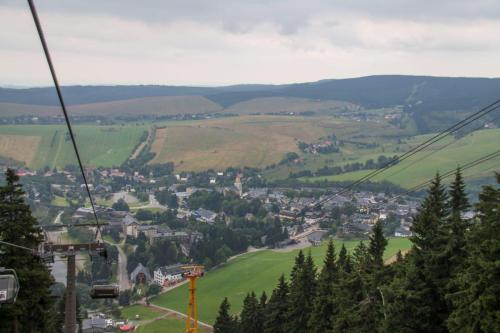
(252, 141)
(98, 145)
(257, 271)
(412, 172)
(132, 108)
(433, 102)
(150, 320)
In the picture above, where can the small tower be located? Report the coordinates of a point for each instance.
(238, 185)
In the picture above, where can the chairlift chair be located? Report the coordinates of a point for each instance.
(9, 286)
(104, 291)
(45, 252)
(47, 258)
(99, 252)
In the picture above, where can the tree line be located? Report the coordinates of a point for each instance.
(349, 167)
(447, 282)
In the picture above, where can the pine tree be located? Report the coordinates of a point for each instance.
(476, 303)
(262, 310)
(298, 266)
(263, 300)
(458, 198)
(34, 309)
(456, 226)
(302, 293)
(361, 258)
(276, 309)
(250, 318)
(324, 305)
(224, 323)
(431, 213)
(377, 246)
(359, 292)
(349, 295)
(417, 301)
(344, 262)
(366, 315)
(399, 257)
(410, 300)
(342, 257)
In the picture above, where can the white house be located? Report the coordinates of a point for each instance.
(402, 232)
(130, 225)
(168, 275)
(205, 215)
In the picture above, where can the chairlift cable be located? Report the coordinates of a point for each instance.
(427, 143)
(482, 112)
(18, 246)
(437, 150)
(63, 106)
(450, 173)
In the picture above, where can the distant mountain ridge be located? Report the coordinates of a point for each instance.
(369, 91)
(431, 101)
(74, 95)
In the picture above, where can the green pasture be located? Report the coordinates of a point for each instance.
(59, 201)
(150, 320)
(98, 145)
(258, 271)
(144, 313)
(425, 164)
(166, 325)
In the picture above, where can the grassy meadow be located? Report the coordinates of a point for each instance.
(144, 313)
(411, 172)
(166, 325)
(257, 271)
(49, 145)
(151, 320)
(253, 141)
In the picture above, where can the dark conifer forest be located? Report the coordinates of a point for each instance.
(447, 282)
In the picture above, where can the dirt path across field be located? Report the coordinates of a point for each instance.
(175, 313)
(141, 146)
(394, 257)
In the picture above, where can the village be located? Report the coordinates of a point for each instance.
(145, 213)
(131, 203)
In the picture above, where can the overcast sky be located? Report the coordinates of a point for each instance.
(202, 42)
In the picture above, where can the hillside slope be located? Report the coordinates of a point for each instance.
(137, 107)
(257, 271)
(370, 92)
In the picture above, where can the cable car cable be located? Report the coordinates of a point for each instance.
(437, 150)
(425, 144)
(63, 105)
(482, 112)
(449, 173)
(18, 246)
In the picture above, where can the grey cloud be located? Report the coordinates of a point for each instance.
(290, 16)
(229, 41)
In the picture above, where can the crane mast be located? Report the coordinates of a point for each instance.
(192, 273)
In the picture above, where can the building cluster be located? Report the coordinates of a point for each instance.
(354, 213)
(366, 209)
(100, 323)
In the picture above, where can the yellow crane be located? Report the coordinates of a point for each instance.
(192, 272)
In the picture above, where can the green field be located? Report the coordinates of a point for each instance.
(257, 271)
(252, 141)
(166, 325)
(150, 320)
(144, 313)
(98, 145)
(59, 201)
(412, 172)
